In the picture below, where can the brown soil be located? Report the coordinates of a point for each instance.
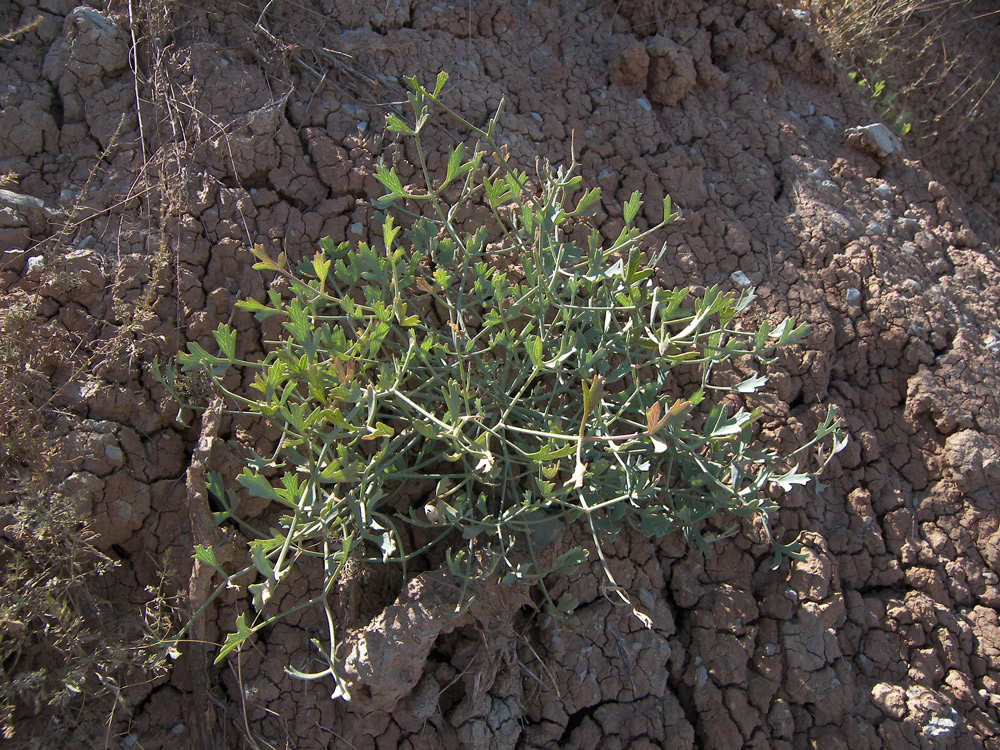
(161, 141)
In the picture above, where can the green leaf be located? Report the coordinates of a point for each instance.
(669, 215)
(791, 477)
(257, 485)
(587, 202)
(631, 208)
(534, 347)
(547, 453)
(380, 430)
(751, 385)
(395, 125)
(206, 556)
(568, 562)
(456, 165)
(787, 333)
(390, 181)
(442, 79)
(197, 358)
(321, 267)
(656, 522)
(258, 554)
(760, 337)
(593, 392)
(225, 337)
(298, 322)
(259, 310)
(389, 233)
(234, 640)
(567, 603)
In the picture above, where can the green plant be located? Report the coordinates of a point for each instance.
(536, 396)
(884, 104)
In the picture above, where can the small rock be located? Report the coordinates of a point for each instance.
(940, 726)
(740, 279)
(875, 139)
(853, 297)
(17, 210)
(992, 343)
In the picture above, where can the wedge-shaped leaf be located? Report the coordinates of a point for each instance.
(656, 522)
(790, 478)
(669, 214)
(587, 202)
(568, 562)
(197, 358)
(631, 208)
(258, 555)
(593, 392)
(259, 310)
(751, 385)
(225, 337)
(206, 556)
(234, 640)
(567, 603)
(298, 323)
(675, 415)
(720, 425)
(457, 165)
(534, 347)
(788, 333)
(380, 430)
(547, 453)
(394, 124)
(390, 181)
(440, 81)
(264, 261)
(747, 296)
(257, 485)
(321, 267)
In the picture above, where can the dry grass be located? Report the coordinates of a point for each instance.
(918, 49)
(64, 648)
(68, 646)
(15, 34)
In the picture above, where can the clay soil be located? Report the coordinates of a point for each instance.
(153, 142)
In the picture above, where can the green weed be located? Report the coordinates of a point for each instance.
(883, 103)
(528, 398)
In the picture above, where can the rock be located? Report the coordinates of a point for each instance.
(17, 210)
(875, 139)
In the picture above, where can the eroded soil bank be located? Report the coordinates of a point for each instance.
(160, 141)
